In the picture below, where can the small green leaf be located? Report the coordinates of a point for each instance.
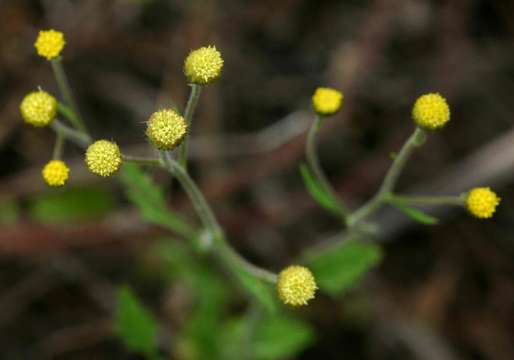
(262, 291)
(318, 192)
(280, 337)
(71, 205)
(199, 335)
(134, 324)
(265, 337)
(149, 198)
(413, 213)
(337, 270)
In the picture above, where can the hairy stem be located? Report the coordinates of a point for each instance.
(430, 200)
(204, 211)
(313, 161)
(415, 140)
(194, 96)
(64, 87)
(59, 145)
(141, 160)
(79, 138)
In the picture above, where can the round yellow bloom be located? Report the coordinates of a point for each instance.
(482, 202)
(55, 173)
(204, 65)
(49, 43)
(327, 101)
(38, 108)
(103, 158)
(166, 129)
(431, 111)
(296, 285)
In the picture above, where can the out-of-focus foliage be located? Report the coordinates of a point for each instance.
(134, 324)
(339, 268)
(71, 205)
(149, 198)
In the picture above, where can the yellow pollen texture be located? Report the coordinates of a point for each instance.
(296, 285)
(38, 108)
(327, 101)
(204, 65)
(49, 43)
(55, 173)
(103, 158)
(431, 111)
(166, 129)
(482, 202)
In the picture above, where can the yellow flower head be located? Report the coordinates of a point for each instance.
(49, 43)
(38, 108)
(166, 129)
(327, 101)
(482, 202)
(296, 285)
(204, 65)
(431, 111)
(55, 173)
(103, 158)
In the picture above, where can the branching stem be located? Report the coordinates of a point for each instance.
(386, 189)
(194, 96)
(311, 154)
(67, 94)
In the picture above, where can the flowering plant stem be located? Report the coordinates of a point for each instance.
(194, 96)
(313, 161)
(429, 200)
(141, 160)
(386, 189)
(64, 87)
(221, 247)
(59, 146)
(78, 137)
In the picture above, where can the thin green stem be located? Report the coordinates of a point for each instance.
(59, 145)
(429, 200)
(141, 160)
(311, 154)
(194, 96)
(204, 211)
(415, 140)
(69, 114)
(64, 87)
(79, 138)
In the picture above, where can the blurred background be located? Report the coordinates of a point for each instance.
(441, 292)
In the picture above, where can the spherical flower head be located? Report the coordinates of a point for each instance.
(204, 65)
(103, 158)
(166, 129)
(482, 202)
(38, 108)
(55, 173)
(431, 111)
(49, 43)
(296, 285)
(327, 101)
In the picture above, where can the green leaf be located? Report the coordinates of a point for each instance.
(265, 338)
(71, 205)
(318, 192)
(337, 270)
(281, 337)
(150, 200)
(134, 324)
(262, 291)
(199, 337)
(413, 213)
